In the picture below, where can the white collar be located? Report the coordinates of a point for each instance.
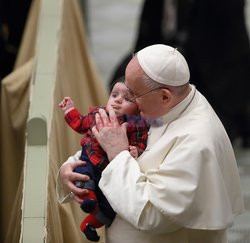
(177, 110)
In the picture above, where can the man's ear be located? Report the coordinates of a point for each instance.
(166, 96)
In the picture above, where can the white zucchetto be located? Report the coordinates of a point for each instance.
(164, 64)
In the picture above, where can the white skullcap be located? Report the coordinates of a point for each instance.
(164, 64)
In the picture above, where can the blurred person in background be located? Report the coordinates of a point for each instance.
(213, 37)
(13, 15)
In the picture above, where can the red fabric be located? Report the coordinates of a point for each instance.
(137, 134)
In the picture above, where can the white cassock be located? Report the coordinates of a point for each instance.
(184, 188)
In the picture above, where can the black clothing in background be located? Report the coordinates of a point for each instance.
(13, 14)
(212, 35)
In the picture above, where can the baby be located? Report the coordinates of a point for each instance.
(120, 100)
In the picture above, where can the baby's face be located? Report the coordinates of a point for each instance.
(119, 100)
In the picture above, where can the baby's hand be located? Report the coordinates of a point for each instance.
(66, 104)
(133, 151)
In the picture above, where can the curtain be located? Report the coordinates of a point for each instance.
(77, 77)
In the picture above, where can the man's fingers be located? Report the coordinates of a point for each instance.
(75, 176)
(78, 163)
(95, 131)
(113, 118)
(78, 191)
(124, 126)
(104, 117)
(98, 121)
(103, 120)
(78, 199)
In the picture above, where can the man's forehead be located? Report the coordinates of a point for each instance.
(126, 84)
(134, 86)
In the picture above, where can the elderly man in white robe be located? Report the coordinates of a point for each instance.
(185, 187)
